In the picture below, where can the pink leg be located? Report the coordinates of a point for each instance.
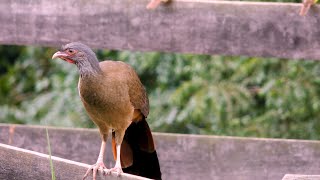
(118, 138)
(155, 3)
(99, 164)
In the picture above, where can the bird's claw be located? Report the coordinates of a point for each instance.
(117, 170)
(94, 168)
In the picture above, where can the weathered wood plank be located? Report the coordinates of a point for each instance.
(300, 177)
(17, 163)
(187, 26)
(186, 157)
(81, 145)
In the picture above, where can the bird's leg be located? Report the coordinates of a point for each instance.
(306, 4)
(99, 164)
(155, 3)
(119, 134)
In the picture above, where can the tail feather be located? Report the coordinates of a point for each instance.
(138, 154)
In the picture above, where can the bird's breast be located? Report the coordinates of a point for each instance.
(106, 102)
(102, 95)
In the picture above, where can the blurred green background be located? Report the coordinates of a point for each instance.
(198, 94)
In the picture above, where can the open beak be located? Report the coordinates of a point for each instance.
(62, 56)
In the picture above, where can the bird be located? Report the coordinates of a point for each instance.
(306, 4)
(155, 3)
(116, 101)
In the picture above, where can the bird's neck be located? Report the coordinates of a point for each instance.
(89, 68)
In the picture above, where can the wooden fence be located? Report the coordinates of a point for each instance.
(17, 163)
(182, 26)
(187, 157)
(186, 26)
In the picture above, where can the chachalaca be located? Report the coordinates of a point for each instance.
(116, 100)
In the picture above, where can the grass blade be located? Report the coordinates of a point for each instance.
(53, 176)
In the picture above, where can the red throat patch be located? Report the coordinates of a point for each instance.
(70, 61)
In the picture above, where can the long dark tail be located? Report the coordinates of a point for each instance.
(138, 155)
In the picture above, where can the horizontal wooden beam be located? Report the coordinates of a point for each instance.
(300, 177)
(184, 26)
(21, 164)
(182, 156)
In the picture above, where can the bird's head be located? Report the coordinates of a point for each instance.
(74, 53)
(79, 54)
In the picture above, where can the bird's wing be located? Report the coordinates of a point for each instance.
(137, 93)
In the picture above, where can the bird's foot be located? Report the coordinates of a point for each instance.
(117, 170)
(94, 168)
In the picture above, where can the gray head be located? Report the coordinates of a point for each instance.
(81, 55)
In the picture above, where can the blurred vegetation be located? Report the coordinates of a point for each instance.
(199, 94)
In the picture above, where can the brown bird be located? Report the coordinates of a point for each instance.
(155, 3)
(116, 100)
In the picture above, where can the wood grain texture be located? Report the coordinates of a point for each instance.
(300, 177)
(186, 157)
(186, 26)
(21, 164)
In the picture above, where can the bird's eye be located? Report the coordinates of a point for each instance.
(71, 51)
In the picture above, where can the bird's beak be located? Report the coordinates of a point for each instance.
(63, 56)
(59, 55)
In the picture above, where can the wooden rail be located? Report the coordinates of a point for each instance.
(186, 26)
(186, 157)
(21, 164)
(301, 177)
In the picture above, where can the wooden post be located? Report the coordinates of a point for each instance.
(183, 26)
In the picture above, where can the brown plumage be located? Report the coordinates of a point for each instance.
(116, 100)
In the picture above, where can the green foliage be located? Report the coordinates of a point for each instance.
(197, 94)
(36, 90)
